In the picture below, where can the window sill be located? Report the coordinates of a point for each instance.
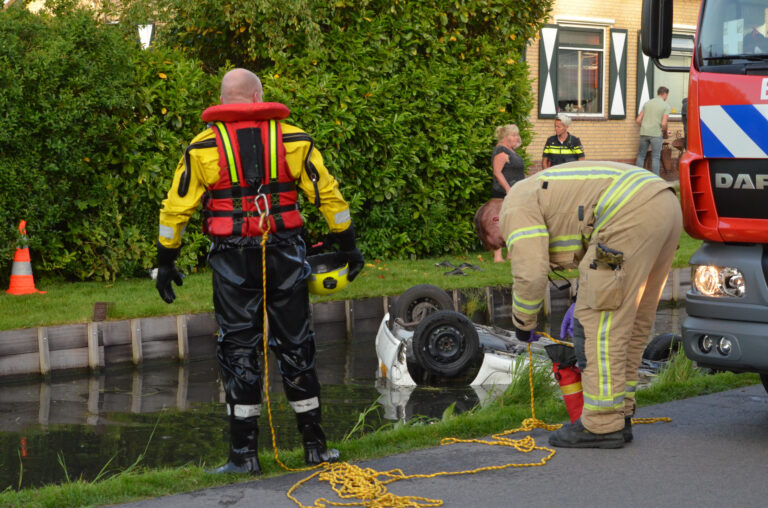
(590, 117)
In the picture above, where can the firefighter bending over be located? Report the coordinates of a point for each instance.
(245, 168)
(620, 225)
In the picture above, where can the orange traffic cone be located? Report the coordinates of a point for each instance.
(22, 281)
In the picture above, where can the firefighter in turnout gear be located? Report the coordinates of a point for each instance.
(620, 225)
(245, 169)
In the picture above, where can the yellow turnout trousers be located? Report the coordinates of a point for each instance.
(617, 307)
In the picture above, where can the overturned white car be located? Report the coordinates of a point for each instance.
(423, 339)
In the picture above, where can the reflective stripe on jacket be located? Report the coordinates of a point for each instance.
(561, 152)
(549, 219)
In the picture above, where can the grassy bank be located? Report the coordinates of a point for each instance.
(72, 302)
(371, 439)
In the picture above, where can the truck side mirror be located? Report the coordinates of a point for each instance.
(657, 28)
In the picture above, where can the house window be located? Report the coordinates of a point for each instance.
(580, 70)
(677, 82)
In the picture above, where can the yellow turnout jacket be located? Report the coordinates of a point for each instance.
(549, 219)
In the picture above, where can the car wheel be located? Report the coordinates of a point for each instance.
(662, 347)
(445, 343)
(418, 302)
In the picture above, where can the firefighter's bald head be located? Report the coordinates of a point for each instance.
(241, 86)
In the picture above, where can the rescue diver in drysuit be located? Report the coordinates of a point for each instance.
(620, 225)
(246, 162)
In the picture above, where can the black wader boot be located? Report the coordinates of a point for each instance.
(243, 447)
(315, 449)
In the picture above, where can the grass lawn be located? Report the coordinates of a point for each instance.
(72, 302)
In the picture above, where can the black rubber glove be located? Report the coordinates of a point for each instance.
(348, 246)
(167, 273)
(525, 335)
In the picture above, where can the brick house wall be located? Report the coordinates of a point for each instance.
(604, 138)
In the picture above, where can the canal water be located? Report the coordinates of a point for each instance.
(80, 426)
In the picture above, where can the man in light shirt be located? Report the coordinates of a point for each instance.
(653, 123)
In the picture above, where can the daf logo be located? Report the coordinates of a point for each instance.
(741, 181)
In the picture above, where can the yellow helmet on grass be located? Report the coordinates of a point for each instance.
(329, 273)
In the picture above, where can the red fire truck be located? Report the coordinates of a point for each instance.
(724, 179)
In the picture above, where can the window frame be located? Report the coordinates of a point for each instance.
(601, 49)
(681, 32)
(576, 23)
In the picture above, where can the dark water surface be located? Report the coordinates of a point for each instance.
(170, 414)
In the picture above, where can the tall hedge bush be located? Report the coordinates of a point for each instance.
(401, 97)
(92, 127)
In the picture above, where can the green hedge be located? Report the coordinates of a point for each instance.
(92, 127)
(402, 99)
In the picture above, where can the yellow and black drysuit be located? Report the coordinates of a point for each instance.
(620, 225)
(247, 162)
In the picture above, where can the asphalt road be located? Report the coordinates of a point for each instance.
(714, 452)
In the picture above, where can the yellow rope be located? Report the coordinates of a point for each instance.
(265, 339)
(367, 485)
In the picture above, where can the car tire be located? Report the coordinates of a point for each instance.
(445, 343)
(662, 347)
(418, 302)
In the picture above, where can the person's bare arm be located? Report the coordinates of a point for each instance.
(639, 119)
(498, 164)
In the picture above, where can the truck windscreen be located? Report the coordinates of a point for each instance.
(732, 36)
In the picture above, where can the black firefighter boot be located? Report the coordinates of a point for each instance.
(315, 450)
(627, 429)
(575, 435)
(243, 447)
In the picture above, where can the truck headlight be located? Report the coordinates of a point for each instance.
(710, 280)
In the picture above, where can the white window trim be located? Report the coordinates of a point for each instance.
(684, 29)
(584, 22)
(590, 24)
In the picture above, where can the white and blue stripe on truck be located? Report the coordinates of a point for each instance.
(736, 131)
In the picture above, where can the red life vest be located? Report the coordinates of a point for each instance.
(253, 173)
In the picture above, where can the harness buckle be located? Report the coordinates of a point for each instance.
(262, 208)
(261, 203)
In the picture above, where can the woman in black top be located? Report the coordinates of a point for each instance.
(508, 168)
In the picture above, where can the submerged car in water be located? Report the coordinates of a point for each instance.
(422, 340)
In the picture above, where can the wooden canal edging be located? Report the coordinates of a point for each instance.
(100, 344)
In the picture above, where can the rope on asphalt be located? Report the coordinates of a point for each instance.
(367, 485)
